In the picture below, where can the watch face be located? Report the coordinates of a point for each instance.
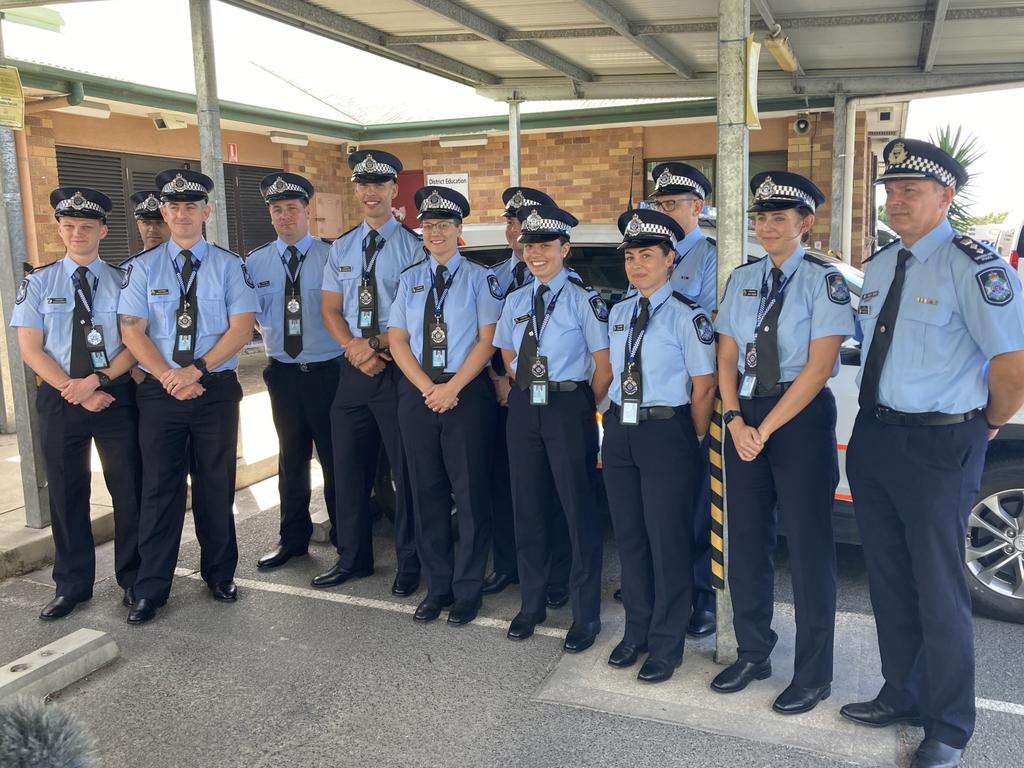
(374, 343)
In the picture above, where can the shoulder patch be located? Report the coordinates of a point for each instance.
(245, 274)
(686, 300)
(981, 254)
(126, 275)
(412, 231)
(838, 290)
(816, 260)
(995, 285)
(413, 266)
(494, 287)
(258, 247)
(600, 308)
(22, 293)
(883, 248)
(705, 330)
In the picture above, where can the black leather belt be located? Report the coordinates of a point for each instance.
(898, 418)
(651, 413)
(775, 391)
(305, 367)
(564, 386)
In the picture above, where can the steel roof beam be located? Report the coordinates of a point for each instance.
(930, 36)
(499, 34)
(613, 17)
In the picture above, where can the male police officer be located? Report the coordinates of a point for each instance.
(186, 310)
(302, 376)
(152, 228)
(680, 191)
(66, 316)
(943, 370)
(359, 286)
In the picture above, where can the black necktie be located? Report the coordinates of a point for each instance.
(518, 274)
(184, 357)
(528, 347)
(371, 249)
(881, 339)
(768, 339)
(430, 320)
(81, 363)
(642, 317)
(292, 344)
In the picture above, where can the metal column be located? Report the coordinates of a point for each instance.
(208, 112)
(839, 179)
(513, 143)
(731, 201)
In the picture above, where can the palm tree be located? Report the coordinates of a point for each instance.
(966, 151)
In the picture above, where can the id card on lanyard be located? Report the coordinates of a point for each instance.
(439, 333)
(749, 381)
(368, 291)
(632, 377)
(185, 337)
(539, 372)
(293, 306)
(94, 336)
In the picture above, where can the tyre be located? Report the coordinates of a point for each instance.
(994, 561)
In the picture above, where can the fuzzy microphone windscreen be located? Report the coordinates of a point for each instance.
(36, 735)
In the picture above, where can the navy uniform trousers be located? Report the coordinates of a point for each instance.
(914, 488)
(648, 468)
(450, 454)
(300, 402)
(66, 433)
(504, 531)
(554, 451)
(364, 415)
(700, 557)
(167, 427)
(798, 470)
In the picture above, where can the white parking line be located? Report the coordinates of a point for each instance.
(1000, 706)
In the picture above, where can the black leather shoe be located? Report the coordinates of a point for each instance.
(339, 575)
(795, 699)
(462, 612)
(702, 624)
(935, 754)
(657, 670)
(498, 582)
(431, 607)
(405, 584)
(740, 674)
(144, 610)
(581, 636)
(129, 597)
(625, 654)
(617, 595)
(523, 625)
(59, 607)
(225, 591)
(557, 596)
(278, 557)
(878, 714)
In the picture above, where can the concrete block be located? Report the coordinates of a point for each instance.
(321, 526)
(55, 666)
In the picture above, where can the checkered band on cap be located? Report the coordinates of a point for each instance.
(637, 227)
(900, 162)
(77, 202)
(180, 184)
(434, 202)
(281, 186)
(769, 190)
(668, 179)
(537, 223)
(519, 200)
(370, 165)
(147, 205)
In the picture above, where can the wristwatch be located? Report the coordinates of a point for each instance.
(728, 416)
(103, 378)
(200, 365)
(375, 344)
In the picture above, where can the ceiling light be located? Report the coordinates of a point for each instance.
(297, 139)
(469, 140)
(783, 53)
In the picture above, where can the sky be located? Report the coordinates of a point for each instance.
(256, 65)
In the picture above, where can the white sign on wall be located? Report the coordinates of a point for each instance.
(457, 181)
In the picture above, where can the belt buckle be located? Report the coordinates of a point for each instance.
(304, 367)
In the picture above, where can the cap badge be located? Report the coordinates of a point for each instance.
(178, 183)
(635, 226)
(151, 203)
(534, 220)
(517, 201)
(77, 201)
(664, 178)
(898, 153)
(279, 185)
(434, 201)
(767, 189)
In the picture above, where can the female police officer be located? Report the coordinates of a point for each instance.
(441, 328)
(661, 343)
(780, 325)
(553, 334)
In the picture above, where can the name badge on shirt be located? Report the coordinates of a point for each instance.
(345, 269)
(160, 292)
(293, 315)
(869, 296)
(418, 288)
(750, 291)
(539, 380)
(94, 346)
(618, 327)
(521, 319)
(57, 300)
(262, 283)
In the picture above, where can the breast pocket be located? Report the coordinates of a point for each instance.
(925, 332)
(57, 321)
(213, 316)
(162, 312)
(104, 314)
(265, 298)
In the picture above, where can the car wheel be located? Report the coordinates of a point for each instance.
(994, 559)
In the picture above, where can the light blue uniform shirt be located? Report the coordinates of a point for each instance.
(695, 274)
(577, 329)
(344, 271)
(472, 303)
(679, 344)
(505, 272)
(223, 289)
(269, 274)
(816, 304)
(958, 310)
(46, 300)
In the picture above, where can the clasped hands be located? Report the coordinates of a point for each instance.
(183, 383)
(748, 441)
(361, 356)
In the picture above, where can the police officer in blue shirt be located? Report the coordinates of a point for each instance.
(66, 316)
(441, 329)
(662, 347)
(360, 283)
(553, 334)
(680, 191)
(150, 222)
(943, 370)
(512, 273)
(302, 373)
(780, 326)
(186, 309)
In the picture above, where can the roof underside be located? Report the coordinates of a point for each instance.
(540, 49)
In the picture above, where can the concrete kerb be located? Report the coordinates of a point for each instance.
(55, 666)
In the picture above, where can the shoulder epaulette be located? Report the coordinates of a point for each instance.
(348, 231)
(412, 231)
(686, 300)
(327, 240)
(816, 260)
(750, 260)
(250, 253)
(574, 277)
(499, 263)
(143, 252)
(413, 266)
(226, 250)
(41, 267)
(981, 254)
(515, 290)
(888, 245)
(712, 241)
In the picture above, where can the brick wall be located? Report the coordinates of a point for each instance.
(42, 164)
(863, 195)
(810, 155)
(326, 165)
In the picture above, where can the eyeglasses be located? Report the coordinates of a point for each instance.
(670, 204)
(441, 227)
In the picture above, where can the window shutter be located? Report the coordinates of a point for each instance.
(102, 171)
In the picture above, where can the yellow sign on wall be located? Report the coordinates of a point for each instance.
(12, 99)
(753, 59)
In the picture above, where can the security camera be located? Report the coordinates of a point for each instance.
(353, 148)
(802, 125)
(164, 122)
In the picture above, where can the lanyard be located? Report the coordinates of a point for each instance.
(287, 271)
(81, 293)
(196, 264)
(767, 302)
(633, 346)
(368, 267)
(537, 333)
(439, 300)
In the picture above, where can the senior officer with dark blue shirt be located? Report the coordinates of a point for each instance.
(441, 329)
(662, 347)
(512, 273)
(302, 373)
(186, 310)
(943, 370)
(679, 192)
(780, 326)
(66, 316)
(553, 335)
(359, 287)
